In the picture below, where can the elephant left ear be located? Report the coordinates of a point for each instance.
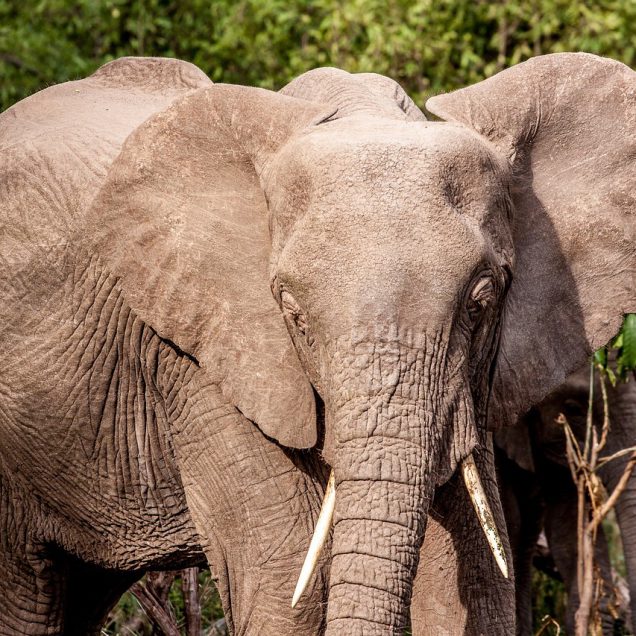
(567, 125)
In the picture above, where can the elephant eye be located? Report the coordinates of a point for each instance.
(574, 408)
(293, 310)
(482, 294)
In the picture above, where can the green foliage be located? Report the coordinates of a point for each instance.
(128, 617)
(427, 45)
(549, 599)
(622, 363)
(121, 615)
(625, 344)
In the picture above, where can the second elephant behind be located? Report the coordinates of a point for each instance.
(538, 491)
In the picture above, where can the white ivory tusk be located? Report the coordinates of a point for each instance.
(318, 540)
(484, 514)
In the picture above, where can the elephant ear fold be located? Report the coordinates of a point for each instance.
(567, 124)
(182, 222)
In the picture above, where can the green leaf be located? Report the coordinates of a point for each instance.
(600, 358)
(617, 343)
(611, 375)
(627, 355)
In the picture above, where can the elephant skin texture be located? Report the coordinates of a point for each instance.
(538, 492)
(213, 295)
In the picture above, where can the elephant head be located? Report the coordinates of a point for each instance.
(330, 244)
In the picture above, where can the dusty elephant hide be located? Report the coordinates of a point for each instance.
(213, 295)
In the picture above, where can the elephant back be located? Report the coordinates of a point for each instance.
(57, 145)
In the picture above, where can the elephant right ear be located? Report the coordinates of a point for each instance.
(567, 125)
(182, 221)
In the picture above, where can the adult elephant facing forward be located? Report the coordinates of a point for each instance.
(216, 259)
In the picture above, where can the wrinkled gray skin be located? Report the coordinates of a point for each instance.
(191, 273)
(538, 491)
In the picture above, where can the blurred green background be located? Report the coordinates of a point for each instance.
(429, 46)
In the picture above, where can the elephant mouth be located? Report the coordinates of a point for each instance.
(477, 496)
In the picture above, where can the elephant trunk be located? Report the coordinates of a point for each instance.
(383, 459)
(392, 435)
(378, 529)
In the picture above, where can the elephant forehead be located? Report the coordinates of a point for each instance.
(394, 190)
(385, 258)
(365, 146)
(383, 171)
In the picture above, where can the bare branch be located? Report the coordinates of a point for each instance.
(618, 490)
(590, 415)
(606, 420)
(548, 621)
(571, 446)
(191, 600)
(617, 455)
(593, 508)
(155, 610)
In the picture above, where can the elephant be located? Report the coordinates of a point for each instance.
(220, 300)
(538, 491)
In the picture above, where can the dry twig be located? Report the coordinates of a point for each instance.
(153, 598)
(593, 504)
(548, 621)
(191, 600)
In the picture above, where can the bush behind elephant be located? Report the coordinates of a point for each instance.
(194, 274)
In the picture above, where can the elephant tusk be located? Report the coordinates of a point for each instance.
(484, 514)
(318, 540)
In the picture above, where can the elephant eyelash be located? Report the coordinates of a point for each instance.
(301, 323)
(483, 289)
(481, 296)
(295, 313)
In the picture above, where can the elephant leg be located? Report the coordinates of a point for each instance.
(31, 587)
(523, 509)
(91, 593)
(458, 589)
(31, 592)
(254, 505)
(626, 515)
(44, 592)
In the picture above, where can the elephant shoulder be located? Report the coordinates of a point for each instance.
(150, 75)
(110, 103)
